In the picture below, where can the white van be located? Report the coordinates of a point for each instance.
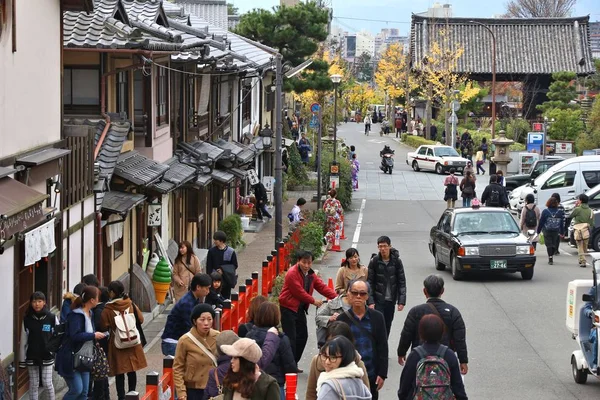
(568, 178)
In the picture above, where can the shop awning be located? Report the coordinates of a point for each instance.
(177, 175)
(222, 176)
(204, 150)
(121, 202)
(138, 169)
(6, 171)
(42, 157)
(20, 207)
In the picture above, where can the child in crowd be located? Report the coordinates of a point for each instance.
(215, 298)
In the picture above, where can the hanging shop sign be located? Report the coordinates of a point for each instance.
(154, 214)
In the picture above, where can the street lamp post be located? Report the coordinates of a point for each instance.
(493, 75)
(336, 79)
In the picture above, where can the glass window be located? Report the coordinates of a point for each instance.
(67, 95)
(560, 179)
(123, 92)
(540, 168)
(485, 222)
(446, 152)
(85, 86)
(162, 95)
(430, 152)
(592, 178)
(422, 151)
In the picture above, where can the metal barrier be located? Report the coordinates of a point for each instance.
(158, 387)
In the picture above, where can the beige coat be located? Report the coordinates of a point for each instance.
(317, 367)
(121, 361)
(191, 364)
(182, 276)
(345, 275)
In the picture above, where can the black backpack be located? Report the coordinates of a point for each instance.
(494, 199)
(530, 217)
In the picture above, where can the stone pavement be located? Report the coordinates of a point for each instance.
(250, 258)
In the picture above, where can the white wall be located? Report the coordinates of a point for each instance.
(30, 77)
(8, 295)
(74, 260)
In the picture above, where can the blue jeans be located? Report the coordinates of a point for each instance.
(467, 202)
(168, 349)
(78, 386)
(593, 340)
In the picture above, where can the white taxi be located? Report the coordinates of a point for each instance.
(436, 157)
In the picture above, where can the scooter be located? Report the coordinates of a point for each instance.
(387, 162)
(580, 292)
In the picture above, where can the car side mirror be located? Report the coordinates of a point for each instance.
(532, 181)
(587, 298)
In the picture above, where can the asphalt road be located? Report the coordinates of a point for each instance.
(519, 347)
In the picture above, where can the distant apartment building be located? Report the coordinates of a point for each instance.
(289, 3)
(437, 11)
(595, 38)
(365, 43)
(349, 47)
(387, 37)
(232, 22)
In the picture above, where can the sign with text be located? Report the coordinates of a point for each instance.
(253, 177)
(535, 141)
(21, 221)
(154, 214)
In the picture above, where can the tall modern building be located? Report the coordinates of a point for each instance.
(365, 43)
(349, 47)
(386, 37)
(595, 38)
(437, 11)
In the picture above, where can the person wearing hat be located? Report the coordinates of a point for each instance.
(195, 355)
(244, 380)
(217, 375)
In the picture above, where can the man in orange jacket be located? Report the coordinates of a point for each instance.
(295, 298)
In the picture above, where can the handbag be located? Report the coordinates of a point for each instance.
(220, 396)
(83, 360)
(581, 231)
(339, 389)
(100, 367)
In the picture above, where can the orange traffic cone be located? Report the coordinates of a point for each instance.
(336, 242)
(330, 284)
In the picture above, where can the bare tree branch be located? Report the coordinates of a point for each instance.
(539, 8)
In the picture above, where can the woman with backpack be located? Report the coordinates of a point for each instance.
(125, 352)
(79, 331)
(440, 377)
(530, 217)
(451, 192)
(186, 266)
(342, 378)
(551, 225)
(37, 330)
(467, 189)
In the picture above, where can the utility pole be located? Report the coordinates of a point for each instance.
(278, 148)
(319, 144)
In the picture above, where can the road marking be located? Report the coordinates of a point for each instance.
(359, 223)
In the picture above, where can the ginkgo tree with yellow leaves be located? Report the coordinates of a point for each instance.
(393, 73)
(436, 75)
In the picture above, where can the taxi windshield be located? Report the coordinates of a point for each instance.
(485, 223)
(445, 152)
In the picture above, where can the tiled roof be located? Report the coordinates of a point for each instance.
(204, 150)
(257, 56)
(139, 170)
(213, 11)
(240, 173)
(121, 202)
(135, 24)
(523, 46)
(222, 176)
(177, 175)
(203, 180)
(242, 153)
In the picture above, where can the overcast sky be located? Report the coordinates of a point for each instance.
(398, 11)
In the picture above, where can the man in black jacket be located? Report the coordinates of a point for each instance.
(494, 194)
(387, 281)
(369, 339)
(455, 332)
(260, 193)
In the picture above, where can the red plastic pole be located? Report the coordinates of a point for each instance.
(265, 279)
(242, 306)
(254, 286)
(234, 311)
(226, 318)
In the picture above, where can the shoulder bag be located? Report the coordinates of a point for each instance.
(203, 348)
(229, 271)
(581, 231)
(83, 360)
(362, 328)
(339, 389)
(446, 328)
(220, 396)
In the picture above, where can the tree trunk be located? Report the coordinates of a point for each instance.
(428, 112)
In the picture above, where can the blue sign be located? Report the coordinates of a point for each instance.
(314, 122)
(315, 107)
(535, 141)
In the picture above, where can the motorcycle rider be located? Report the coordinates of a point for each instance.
(386, 150)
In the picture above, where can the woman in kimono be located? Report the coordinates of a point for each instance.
(355, 169)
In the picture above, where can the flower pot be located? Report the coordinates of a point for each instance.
(245, 210)
(160, 289)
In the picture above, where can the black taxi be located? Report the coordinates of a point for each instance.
(480, 239)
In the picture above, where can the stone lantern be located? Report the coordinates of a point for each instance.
(502, 154)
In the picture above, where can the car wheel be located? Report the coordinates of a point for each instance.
(439, 169)
(596, 242)
(579, 375)
(527, 274)
(457, 274)
(415, 166)
(438, 265)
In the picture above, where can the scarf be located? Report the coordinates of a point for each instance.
(349, 371)
(88, 321)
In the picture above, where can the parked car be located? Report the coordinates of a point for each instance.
(568, 178)
(569, 205)
(485, 239)
(539, 167)
(438, 158)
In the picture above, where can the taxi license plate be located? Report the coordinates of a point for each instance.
(498, 264)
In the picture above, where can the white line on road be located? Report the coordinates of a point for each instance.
(359, 223)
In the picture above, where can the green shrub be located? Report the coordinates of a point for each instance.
(232, 226)
(311, 239)
(415, 141)
(477, 136)
(344, 190)
(296, 169)
(319, 217)
(277, 287)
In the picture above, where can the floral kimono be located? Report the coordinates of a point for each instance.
(355, 169)
(333, 210)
